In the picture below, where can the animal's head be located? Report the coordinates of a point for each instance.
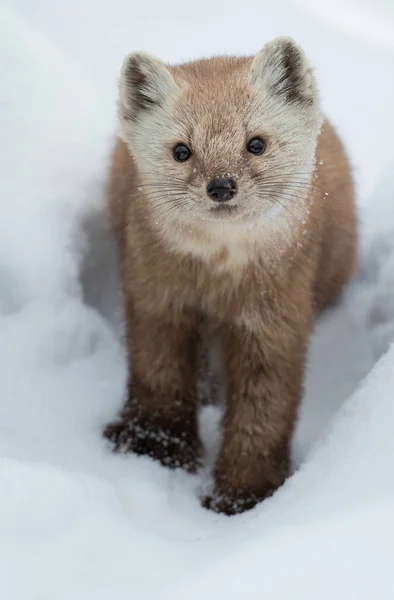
(224, 140)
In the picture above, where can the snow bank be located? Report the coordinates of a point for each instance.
(78, 522)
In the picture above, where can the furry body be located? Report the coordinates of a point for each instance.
(253, 273)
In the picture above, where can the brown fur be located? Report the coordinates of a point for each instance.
(262, 310)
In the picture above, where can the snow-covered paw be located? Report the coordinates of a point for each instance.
(231, 501)
(174, 447)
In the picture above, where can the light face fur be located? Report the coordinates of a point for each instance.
(215, 107)
(253, 270)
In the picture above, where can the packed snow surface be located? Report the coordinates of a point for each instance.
(77, 522)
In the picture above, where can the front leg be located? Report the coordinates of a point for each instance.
(160, 415)
(265, 368)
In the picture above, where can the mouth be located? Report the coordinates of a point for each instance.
(224, 210)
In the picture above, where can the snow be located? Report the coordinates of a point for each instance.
(75, 520)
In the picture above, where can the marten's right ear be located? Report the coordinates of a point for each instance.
(145, 84)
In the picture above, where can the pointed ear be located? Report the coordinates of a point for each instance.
(282, 70)
(145, 83)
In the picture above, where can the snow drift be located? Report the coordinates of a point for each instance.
(78, 522)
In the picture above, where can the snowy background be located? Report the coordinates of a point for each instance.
(77, 522)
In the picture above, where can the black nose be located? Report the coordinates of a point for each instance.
(222, 190)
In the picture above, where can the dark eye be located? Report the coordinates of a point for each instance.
(181, 152)
(256, 146)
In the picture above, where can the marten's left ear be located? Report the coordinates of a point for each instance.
(145, 84)
(281, 69)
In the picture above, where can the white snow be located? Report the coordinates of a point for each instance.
(75, 520)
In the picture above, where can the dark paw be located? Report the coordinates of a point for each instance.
(232, 501)
(173, 447)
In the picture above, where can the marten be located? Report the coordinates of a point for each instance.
(232, 201)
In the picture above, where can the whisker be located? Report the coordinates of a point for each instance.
(281, 181)
(156, 195)
(322, 195)
(275, 200)
(170, 209)
(289, 196)
(171, 201)
(287, 193)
